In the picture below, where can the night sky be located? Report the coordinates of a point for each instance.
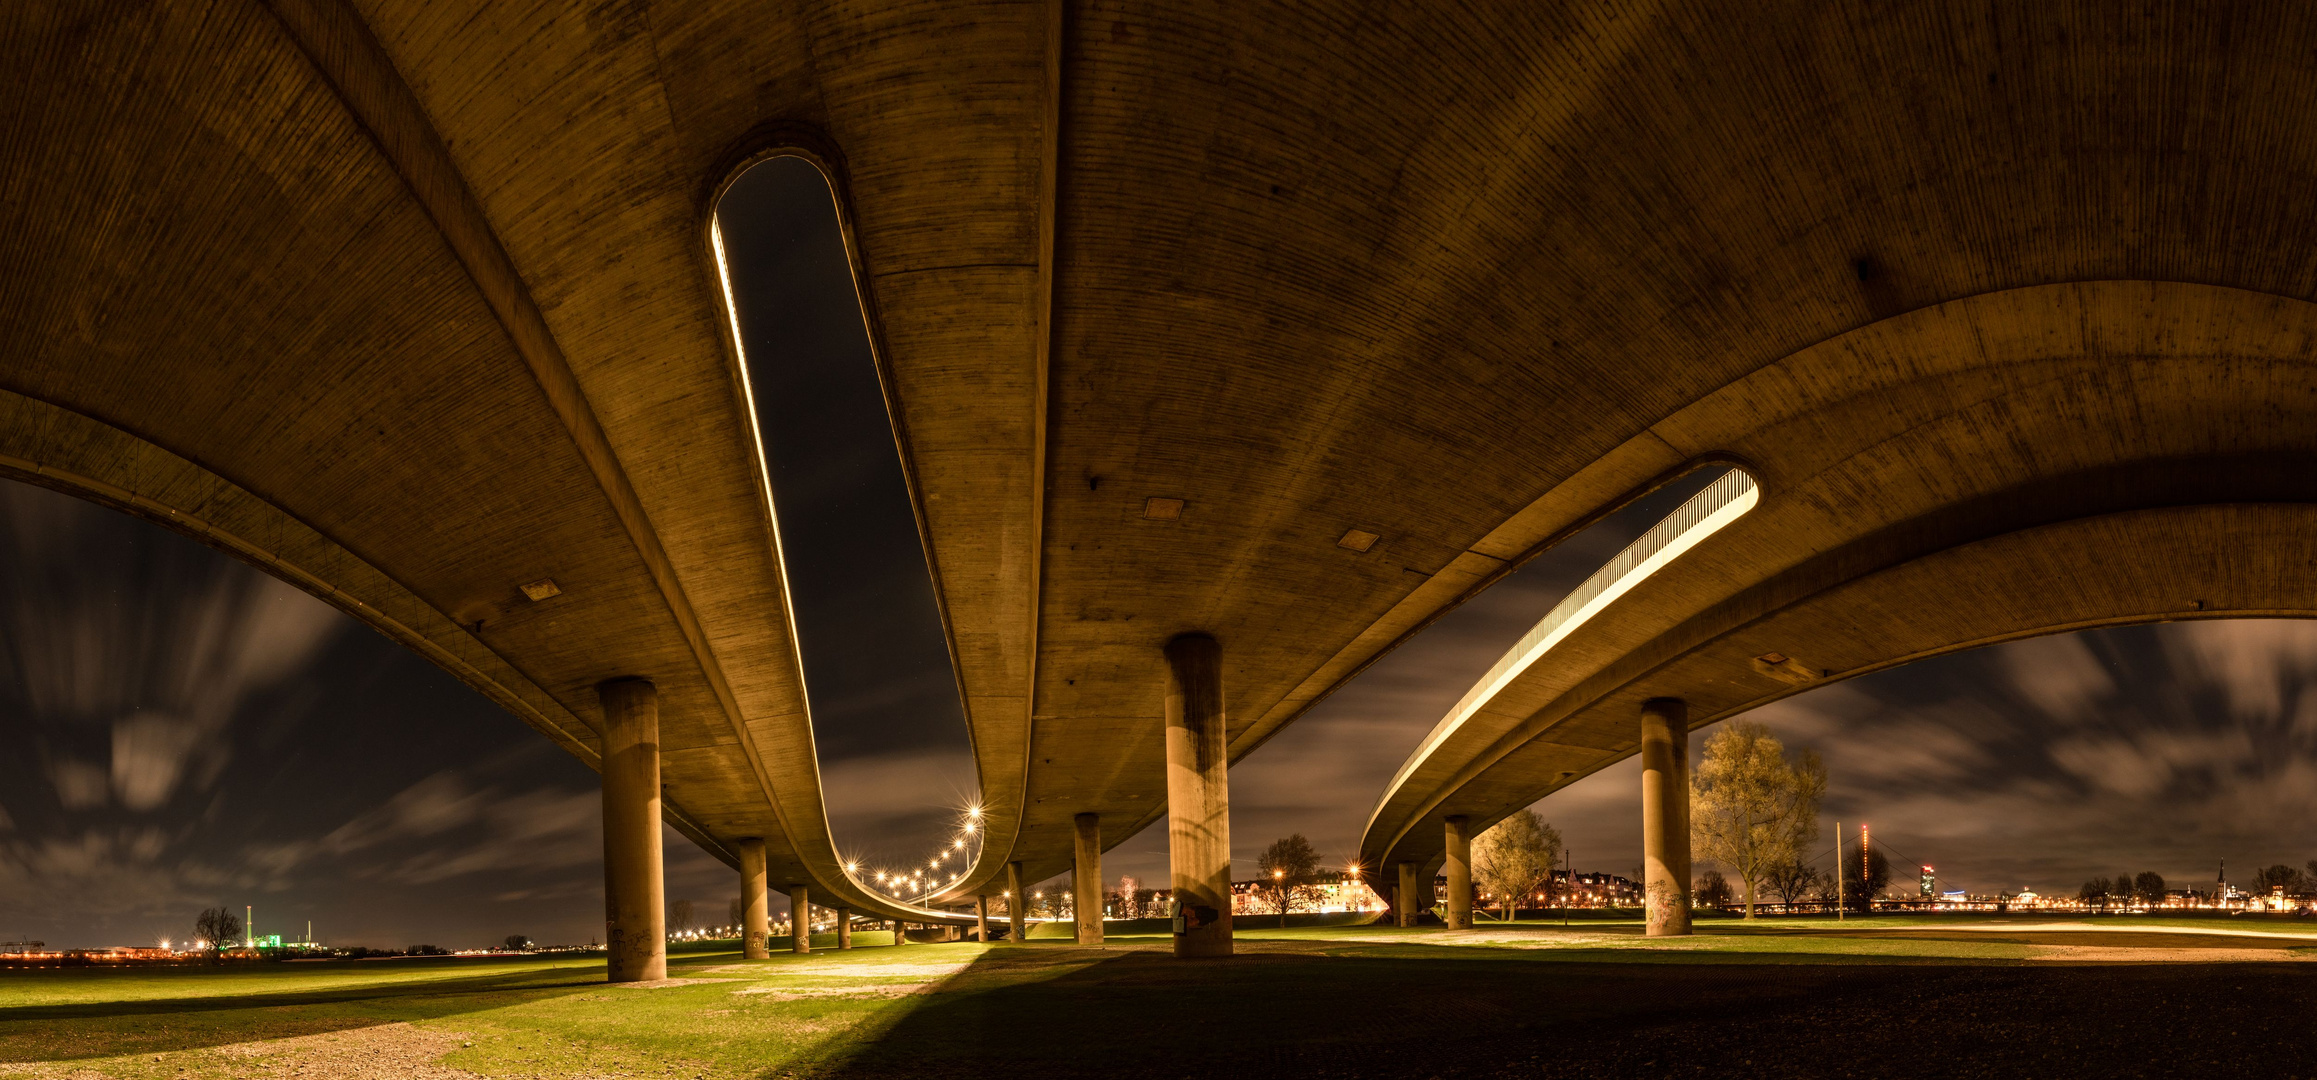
(185, 731)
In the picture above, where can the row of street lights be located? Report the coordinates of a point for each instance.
(917, 884)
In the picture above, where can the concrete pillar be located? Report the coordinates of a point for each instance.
(1459, 869)
(900, 932)
(981, 919)
(1407, 900)
(1198, 797)
(844, 928)
(800, 918)
(635, 915)
(1086, 879)
(1665, 815)
(1017, 905)
(755, 916)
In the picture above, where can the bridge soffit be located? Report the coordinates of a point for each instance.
(2047, 404)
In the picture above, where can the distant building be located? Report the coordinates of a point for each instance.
(1600, 890)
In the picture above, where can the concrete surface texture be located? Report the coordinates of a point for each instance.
(412, 304)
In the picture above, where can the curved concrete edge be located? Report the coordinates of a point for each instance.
(1718, 507)
(52, 447)
(1969, 353)
(1962, 572)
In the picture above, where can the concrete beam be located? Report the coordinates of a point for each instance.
(1198, 796)
(1665, 815)
(800, 918)
(1017, 905)
(635, 917)
(755, 913)
(1459, 872)
(1086, 879)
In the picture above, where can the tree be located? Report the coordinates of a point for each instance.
(1750, 808)
(680, 915)
(2277, 877)
(1129, 898)
(1713, 890)
(2149, 886)
(1868, 881)
(1287, 874)
(220, 927)
(1515, 857)
(518, 943)
(1794, 881)
(2094, 892)
(733, 910)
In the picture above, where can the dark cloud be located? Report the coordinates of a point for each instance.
(2042, 763)
(188, 731)
(876, 661)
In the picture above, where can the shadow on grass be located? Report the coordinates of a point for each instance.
(158, 1025)
(1485, 1012)
(1066, 1012)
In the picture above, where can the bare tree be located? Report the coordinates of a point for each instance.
(733, 910)
(1514, 857)
(1129, 898)
(219, 927)
(680, 915)
(1794, 881)
(1751, 808)
(1287, 875)
(2279, 876)
(518, 943)
(2149, 886)
(1824, 892)
(1712, 890)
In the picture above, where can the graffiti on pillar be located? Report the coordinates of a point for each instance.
(1666, 903)
(1189, 917)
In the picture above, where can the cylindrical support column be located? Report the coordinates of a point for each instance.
(844, 928)
(981, 919)
(1459, 869)
(1017, 905)
(900, 932)
(1086, 879)
(1407, 900)
(635, 915)
(755, 913)
(1665, 815)
(1198, 797)
(800, 918)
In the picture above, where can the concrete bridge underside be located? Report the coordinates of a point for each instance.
(412, 304)
(2019, 463)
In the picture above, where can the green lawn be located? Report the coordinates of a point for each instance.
(963, 1009)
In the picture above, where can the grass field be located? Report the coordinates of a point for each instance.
(1785, 997)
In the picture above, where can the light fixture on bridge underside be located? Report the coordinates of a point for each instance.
(1785, 669)
(1709, 511)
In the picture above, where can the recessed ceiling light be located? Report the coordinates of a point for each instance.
(1162, 509)
(541, 589)
(1357, 540)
